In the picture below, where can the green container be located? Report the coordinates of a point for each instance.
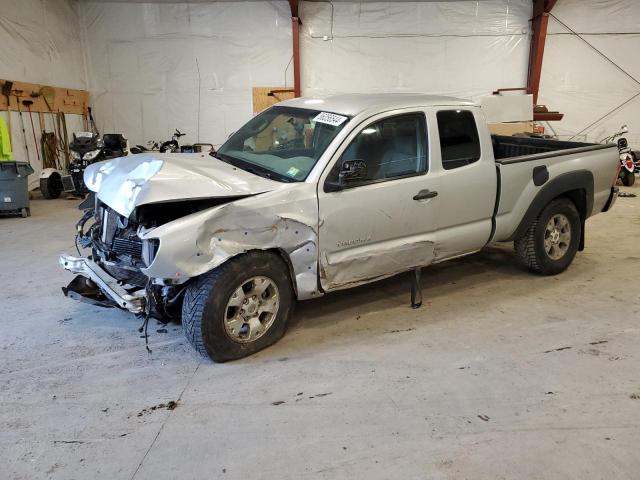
(14, 188)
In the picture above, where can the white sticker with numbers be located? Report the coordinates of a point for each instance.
(7, 199)
(330, 118)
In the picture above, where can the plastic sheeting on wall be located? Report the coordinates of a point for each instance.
(40, 43)
(598, 91)
(465, 49)
(157, 67)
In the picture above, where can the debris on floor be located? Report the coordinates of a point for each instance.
(557, 349)
(170, 405)
(401, 330)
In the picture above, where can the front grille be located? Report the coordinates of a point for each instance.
(67, 184)
(125, 246)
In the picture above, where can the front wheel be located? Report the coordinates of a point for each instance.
(238, 308)
(629, 179)
(551, 242)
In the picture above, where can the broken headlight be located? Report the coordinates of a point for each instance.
(149, 250)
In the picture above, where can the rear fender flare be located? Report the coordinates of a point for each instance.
(567, 184)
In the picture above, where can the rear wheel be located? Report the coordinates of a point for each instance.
(239, 308)
(51, 186)
(551, 242)
(629, 179)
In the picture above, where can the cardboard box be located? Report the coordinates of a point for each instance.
(510, 128)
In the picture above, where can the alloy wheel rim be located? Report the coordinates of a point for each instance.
(557, 236)
(251, 309)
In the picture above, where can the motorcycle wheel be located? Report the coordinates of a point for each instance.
(629, 179)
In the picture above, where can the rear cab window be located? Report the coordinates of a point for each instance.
(459, 141)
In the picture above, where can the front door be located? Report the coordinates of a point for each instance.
(383, 223)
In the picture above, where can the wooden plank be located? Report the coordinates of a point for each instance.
(66, 100)
(262, 100)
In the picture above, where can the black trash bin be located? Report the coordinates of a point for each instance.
(14, 188)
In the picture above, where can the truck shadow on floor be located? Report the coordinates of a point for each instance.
(492, 264)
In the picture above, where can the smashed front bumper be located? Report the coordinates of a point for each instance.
(94, 285)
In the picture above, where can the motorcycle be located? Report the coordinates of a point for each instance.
(627, 161)
(86, 148)
(172, 146)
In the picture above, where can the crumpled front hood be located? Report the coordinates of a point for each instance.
(125, 183)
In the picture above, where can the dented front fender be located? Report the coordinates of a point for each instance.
(285, 219)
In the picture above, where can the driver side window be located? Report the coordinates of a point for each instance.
(390, 148)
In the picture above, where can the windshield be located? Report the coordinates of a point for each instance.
(282, 143)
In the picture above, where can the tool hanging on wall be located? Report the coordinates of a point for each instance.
(92, 123)
(48, 94)
(24, 132)
(63, 137)
(28, 103)
(6, 91)
(50, 151)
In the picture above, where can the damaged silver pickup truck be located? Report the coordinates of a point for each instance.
(316, 195)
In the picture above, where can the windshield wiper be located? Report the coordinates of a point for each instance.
(251, 168)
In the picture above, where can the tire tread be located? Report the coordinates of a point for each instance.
(528, 250)
(197, 304)
(525, 248)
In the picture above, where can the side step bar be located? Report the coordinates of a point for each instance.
(132, 301)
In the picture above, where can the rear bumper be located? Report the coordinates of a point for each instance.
(613, 196)
(128, 298)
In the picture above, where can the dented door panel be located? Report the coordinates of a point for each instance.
(375, 230)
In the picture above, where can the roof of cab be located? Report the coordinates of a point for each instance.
(354, 103)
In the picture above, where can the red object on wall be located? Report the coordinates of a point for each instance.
(539, 22)
(295, 34)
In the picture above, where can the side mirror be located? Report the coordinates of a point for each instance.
(352, 171)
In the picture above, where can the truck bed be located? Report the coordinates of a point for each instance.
(517, 149)
(519, 158)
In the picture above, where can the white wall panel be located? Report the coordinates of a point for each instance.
(142, 67)
(460, 48)
(40, 43)
(582, 83)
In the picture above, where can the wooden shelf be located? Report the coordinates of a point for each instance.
(59, 99)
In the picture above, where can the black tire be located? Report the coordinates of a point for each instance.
(205, 301)
(530, 248)
(629, 179)
(51, 187)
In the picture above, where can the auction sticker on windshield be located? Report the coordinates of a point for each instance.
(330, 118)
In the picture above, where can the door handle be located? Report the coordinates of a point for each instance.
(424, 194)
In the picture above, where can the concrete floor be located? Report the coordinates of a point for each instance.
(501, 375)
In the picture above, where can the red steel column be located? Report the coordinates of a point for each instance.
(295, 33)
(539, 22)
